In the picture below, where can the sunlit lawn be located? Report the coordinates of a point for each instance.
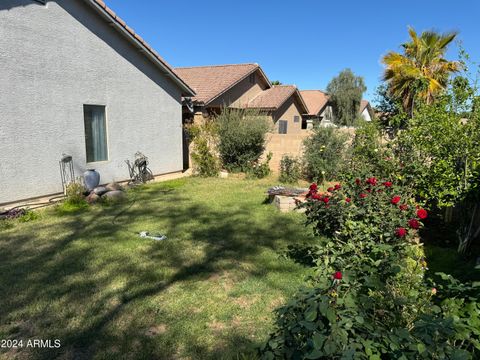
(208, 291)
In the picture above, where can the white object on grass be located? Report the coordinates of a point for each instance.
(146, 234)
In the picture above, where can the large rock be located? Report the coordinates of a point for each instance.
(92, 198)
(100, 190)
(113, 186)
(115, 195)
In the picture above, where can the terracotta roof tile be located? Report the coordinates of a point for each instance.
(211, 81)
(272, 98)
(315, 100)
(275, 97)
(137, 37)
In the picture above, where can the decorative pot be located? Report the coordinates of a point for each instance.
(92, 179)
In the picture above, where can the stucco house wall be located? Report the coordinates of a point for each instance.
(287, 112)
(57, 57)
(240, 94)
(366, 114)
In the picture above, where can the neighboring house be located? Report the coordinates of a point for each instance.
(241, 86)
(320, 109)
(218, 86)
(247, 86)
(284, 105)
(366, 110)
(77, 80)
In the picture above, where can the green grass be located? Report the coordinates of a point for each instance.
(207, 292)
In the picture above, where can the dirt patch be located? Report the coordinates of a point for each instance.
(277, 302)
(245, 302)
(217, 326)
(224, 279)
(156, 330)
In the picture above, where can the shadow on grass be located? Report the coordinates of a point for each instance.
(61, 280)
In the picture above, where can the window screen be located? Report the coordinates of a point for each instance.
(95, 133)
(282, 126)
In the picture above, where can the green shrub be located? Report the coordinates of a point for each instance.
(368, 298)
(261, 169)
(324, 153)
(75, 193)
(242, 137)
(290, 169)
(205, 160)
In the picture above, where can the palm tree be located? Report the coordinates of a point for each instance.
(422, 70)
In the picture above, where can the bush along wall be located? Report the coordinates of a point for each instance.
(369, 298)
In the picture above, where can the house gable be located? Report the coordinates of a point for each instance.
(216, 85)
(242, 92)
(289, 111)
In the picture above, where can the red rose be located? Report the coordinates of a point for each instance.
(387, 184)
(316, 196)
(369, 190)
(372, 181)
(330, 189)
(326, 199)
(357, 181)
(313, 187)
(363, 195)
(396, 199)
(348, 200)
(400, 232)
(422, 213)
(338, 187)
(403, 207)
(413, 223)
(338, 275)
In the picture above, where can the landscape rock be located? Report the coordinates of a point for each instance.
(115, 195)
(93, 198)
(100, 190)
(223, 174)
(113, 186)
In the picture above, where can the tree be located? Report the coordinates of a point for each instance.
(421, 71)
(346, 92)
(276, 82)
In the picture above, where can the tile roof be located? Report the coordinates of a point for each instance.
(209, 82)
(275, 97)
(272, 98)
(363, 105)
(316, 100)
(110, 14)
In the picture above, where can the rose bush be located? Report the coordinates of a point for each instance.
(368, 298)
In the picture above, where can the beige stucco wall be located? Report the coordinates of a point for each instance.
(366, 114)
(287, 112)
(241, 93)
(289, 144)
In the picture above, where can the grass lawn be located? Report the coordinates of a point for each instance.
(87, 278)
(208, 291)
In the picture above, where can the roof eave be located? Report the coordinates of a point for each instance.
(104, 11)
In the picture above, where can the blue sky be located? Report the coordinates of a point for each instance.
(302, 42)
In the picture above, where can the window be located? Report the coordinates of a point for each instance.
(95, 133)
(296, 119)
(252, 78)
(282, 126)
